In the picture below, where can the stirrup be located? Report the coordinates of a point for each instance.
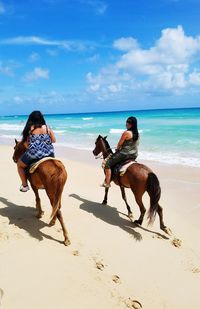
(24, 188)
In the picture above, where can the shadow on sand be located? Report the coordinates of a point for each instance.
(112, 216)
(24, 218)
(108, 214)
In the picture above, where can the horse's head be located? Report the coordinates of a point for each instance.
(19, 149)
(102, 146)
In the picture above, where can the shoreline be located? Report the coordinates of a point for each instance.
(87, 156)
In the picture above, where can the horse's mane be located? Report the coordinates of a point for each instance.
(106, 143)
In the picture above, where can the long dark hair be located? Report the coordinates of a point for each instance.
(36, 120)
(134, 128)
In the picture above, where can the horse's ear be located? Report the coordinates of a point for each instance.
(16, 142)
(105, 137)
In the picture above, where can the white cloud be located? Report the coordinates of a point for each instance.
(99, 6)
(37, 73)
(93, 58)
(2, 8)
(126, 44)
(34, 57)
(18, 99)
(194, 78)
(7, 69)
(167, 66)
(52, 52)
(35, 40)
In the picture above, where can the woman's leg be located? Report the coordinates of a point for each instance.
(21, 170)
(108, 176)
(115, 159)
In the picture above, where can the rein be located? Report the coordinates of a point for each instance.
(100, 156)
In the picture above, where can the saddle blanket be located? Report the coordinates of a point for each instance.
(119, 168)
(34, 166)
(124, 167)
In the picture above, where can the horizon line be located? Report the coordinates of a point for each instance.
(114, 111)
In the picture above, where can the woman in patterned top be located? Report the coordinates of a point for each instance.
(38, 139)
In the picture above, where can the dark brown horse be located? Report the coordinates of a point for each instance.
(139, 178)
(51, 176)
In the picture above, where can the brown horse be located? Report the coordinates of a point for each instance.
(51, 176)
(139, 178)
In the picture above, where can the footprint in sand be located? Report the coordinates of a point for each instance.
(100, 265)
(75, 253)
(116, 279)
(1, 295)
(133, 304)
(196, 270)
(176, 242)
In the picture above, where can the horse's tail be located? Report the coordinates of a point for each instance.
(58, 179)
(154, 191)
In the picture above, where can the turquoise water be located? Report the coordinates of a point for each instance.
(171, 136)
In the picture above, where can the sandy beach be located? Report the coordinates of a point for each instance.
(110, 262)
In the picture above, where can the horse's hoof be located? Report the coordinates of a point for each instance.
(130, 216)
(67, 242)
(166, 230)
(104, 203)
(52, 223)
(39, 215)
(138, 222)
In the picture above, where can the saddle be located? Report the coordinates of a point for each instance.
(35, 165)
(121, 168)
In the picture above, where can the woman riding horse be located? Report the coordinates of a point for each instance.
(127, 148)
(38, 139)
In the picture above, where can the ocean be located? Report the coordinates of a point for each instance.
(170, 136)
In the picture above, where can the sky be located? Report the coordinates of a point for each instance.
(65, 56)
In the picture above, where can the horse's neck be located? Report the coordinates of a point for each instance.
(107, 151)
(22, 149)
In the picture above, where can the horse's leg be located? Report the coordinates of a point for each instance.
(58, 215)
(138, 198)
(53, 221)
(105, 200)
(130, 214)
(40, 212)
(51, 196)
(60, 218)
(162, 225)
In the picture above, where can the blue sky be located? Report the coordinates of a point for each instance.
(63, 56)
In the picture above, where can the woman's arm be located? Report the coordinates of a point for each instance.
(52, 135)
(126, 135)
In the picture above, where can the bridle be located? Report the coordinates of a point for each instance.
(101, 155)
